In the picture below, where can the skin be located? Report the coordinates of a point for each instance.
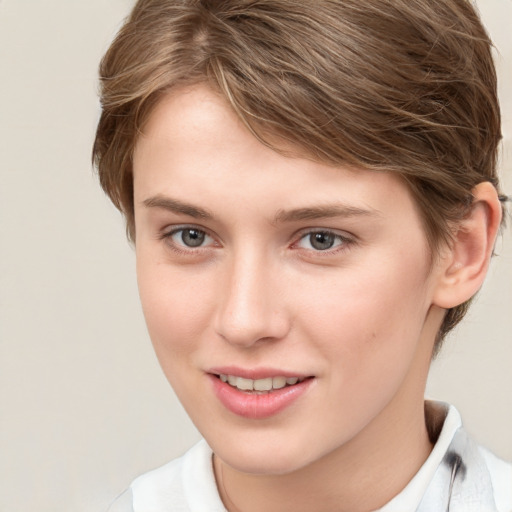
(360, 318)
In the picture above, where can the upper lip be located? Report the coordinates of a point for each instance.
(255, 373)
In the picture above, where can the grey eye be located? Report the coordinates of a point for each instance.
(322, 241)
(192, 237)
(189, 238)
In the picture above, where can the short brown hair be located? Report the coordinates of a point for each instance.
(403, 86)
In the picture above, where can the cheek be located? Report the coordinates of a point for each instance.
(368, 330)
(368, 321)
(176, 307)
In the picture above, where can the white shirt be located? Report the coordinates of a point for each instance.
(458, 476)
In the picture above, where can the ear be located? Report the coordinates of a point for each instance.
(464, 264)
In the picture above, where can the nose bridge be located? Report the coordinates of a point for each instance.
(249, 310)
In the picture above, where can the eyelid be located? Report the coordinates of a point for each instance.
(311, 230)
(173, 228)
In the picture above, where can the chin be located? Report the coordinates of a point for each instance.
(264, 456)
(271, 464)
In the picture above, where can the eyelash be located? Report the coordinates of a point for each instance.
(343, 242)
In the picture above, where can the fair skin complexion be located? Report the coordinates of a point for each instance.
(254, 264)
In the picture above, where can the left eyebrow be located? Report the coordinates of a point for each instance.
(324, 212)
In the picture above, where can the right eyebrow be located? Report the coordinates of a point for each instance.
(175, 206)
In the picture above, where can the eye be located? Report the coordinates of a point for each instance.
(321, 241)
(189, 237)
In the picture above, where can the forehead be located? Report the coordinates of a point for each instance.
(194, 146)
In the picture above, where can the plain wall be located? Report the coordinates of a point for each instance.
(84, 407)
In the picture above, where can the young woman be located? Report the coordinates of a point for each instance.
(311, 190)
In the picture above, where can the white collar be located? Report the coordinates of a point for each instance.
(437, 413)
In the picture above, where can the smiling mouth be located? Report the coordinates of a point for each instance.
(263, 396)
(259, 386)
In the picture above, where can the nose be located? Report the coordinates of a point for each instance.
(251, 306)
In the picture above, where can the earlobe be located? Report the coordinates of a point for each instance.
(464, 264)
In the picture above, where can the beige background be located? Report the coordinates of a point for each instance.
(83, 405)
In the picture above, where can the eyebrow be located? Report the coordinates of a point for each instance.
(324, 212)
(282, 216)
(175, 206)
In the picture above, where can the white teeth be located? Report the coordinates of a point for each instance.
(278, 382)
(261, 385)
(244, 384)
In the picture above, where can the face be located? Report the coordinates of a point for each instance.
(307, 288)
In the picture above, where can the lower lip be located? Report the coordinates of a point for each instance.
(258, 406)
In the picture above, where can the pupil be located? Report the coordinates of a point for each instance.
(321, 241)
(192, 237)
